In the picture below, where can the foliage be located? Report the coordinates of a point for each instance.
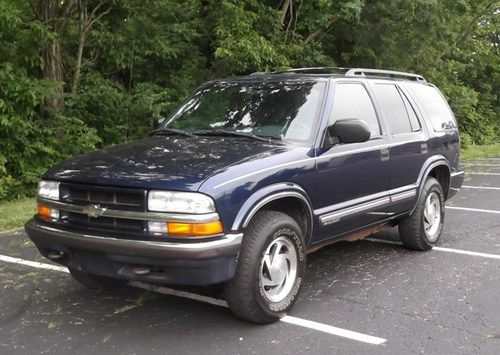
(115, 113)
(139, 59)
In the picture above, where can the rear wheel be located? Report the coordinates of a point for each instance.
(270, 268)
(421, 229)
(96, 282)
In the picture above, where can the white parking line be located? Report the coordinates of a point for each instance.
(480, 187)
(480, 164)
(287, 319)
(9, 259)
(478, 173)
(449, 250)
(333, 330)
(486, 159)
(472, 209)
(178, 293)
(466, 252)
(349, 334)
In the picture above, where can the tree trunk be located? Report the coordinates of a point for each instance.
(87, 20)
(284, 11)
(78, 64)
(53, 71)
(55, 14)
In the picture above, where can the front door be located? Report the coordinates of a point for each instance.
(353, 179)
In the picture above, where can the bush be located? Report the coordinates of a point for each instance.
(465, 140)
(116, 114)
(28, 143)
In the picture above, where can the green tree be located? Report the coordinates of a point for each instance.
(81, 74)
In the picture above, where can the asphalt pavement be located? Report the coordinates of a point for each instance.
(369, 296)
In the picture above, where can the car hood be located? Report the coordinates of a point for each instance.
(162, 162)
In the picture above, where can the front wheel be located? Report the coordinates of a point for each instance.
(270, 268)
(421, 229)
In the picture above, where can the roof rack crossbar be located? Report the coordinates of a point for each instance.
(388, 73)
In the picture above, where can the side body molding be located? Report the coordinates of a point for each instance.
(431, 163)
(268, 194)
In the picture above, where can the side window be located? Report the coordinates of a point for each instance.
(434, 106)
(394, 108)
(415, 123)
(353, 101)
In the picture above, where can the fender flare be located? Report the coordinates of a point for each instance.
(270, 193)
(431, 163)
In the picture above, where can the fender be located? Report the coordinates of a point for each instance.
(268, 194)
(431, 163)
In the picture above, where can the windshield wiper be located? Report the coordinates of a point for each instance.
(165, 131)
(222, 132)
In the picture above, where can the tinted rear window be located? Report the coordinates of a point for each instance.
(434, 105)
(394, 108)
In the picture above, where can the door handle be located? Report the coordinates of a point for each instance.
(423, 148)
(384, 154)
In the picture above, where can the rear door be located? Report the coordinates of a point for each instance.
(353, 178)
(408, 144)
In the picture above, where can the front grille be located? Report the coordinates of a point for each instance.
(124, 199)
(110, 197)
(103, 223)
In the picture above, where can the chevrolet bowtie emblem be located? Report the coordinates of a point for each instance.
(93, 210)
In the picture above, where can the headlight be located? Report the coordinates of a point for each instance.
(179, 202)
(48, 189)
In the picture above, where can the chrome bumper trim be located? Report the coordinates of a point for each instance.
(229, 245)
(146, 216)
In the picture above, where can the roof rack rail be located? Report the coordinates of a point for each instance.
(349, 72)
(387, 73)
(313, 70)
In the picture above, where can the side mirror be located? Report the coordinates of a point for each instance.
(349, 131)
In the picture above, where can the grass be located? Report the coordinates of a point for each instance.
(14, 214)
(480, 151)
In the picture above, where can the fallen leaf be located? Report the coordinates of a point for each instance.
(125, 308)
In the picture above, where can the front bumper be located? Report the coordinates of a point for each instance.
(200, 263)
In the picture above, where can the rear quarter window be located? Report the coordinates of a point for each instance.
(434, 106)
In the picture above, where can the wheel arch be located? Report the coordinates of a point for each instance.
(289, 198)
(439, 168)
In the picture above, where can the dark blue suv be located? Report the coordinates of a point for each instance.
(248, 176)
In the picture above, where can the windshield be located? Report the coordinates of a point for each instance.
(276, 110)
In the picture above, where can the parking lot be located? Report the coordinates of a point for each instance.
(369, 296)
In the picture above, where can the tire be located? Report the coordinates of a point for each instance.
(96, 282)
(415, 230)
(253, 295)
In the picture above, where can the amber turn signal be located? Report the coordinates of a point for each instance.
(194, 229)
(46, 212)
